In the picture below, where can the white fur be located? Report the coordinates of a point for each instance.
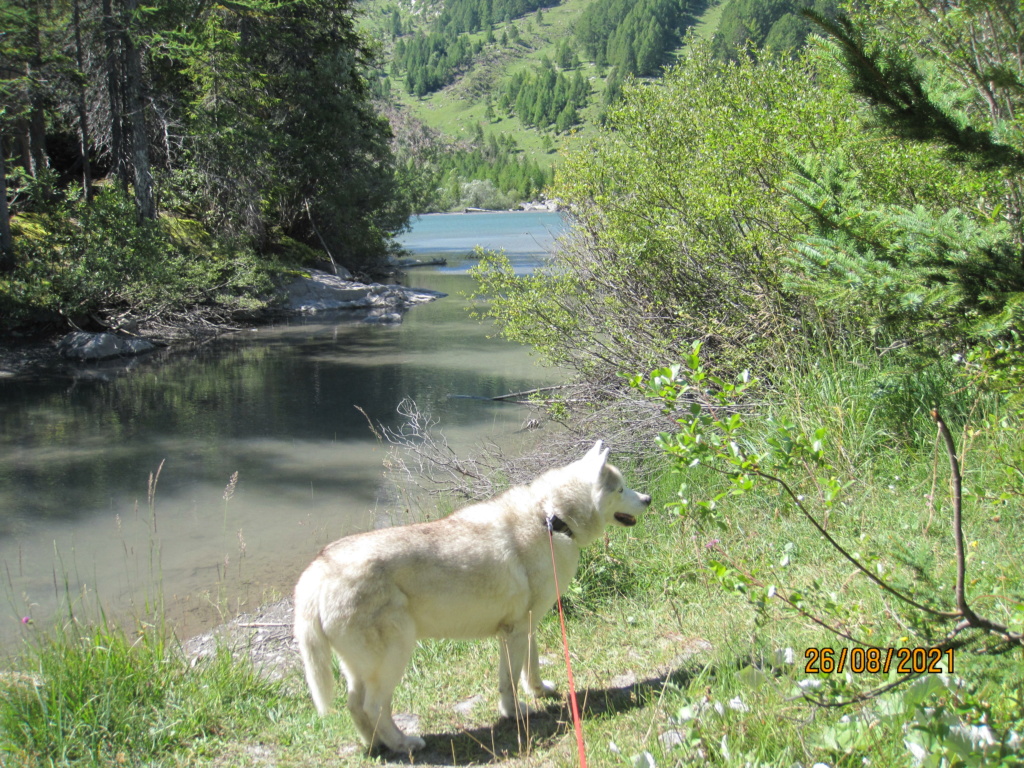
(484, 570)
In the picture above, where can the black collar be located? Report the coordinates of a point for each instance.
(555, 524)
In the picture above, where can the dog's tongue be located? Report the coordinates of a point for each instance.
(625, 519)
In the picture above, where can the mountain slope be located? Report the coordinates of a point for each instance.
(541, 47)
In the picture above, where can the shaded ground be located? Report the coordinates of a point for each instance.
(26, 356)
(23, 357)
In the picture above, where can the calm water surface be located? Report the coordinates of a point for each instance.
(115, 481)
(520, 235)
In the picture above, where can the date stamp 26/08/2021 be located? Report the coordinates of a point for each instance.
(872, 661)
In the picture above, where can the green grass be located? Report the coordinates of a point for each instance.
(707, 23)
(97, 695)
(671, 664)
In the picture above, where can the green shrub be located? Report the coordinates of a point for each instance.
(78, 259)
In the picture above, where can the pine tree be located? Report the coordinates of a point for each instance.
(933, 277)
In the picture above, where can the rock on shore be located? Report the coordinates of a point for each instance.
(317, 292)
(324, 292)
(82, 345)
(264, 636)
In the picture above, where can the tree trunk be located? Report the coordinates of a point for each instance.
(110, 32)
(37, 135)
(145, 204)
(22, 144)
(6, 241)
(83, 121)
(34, 79)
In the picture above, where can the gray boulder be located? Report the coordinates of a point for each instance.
(82, 345)
(323, 292)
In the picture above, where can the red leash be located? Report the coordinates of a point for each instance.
(576, 721)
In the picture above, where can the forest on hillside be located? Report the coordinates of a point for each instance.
(521, 67)
(167, 146)
(622, 38)
(774, 25)
(546, 97)
(635, 37)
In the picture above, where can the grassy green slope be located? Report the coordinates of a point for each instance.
(459, 108)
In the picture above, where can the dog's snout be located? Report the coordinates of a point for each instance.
(645, 499)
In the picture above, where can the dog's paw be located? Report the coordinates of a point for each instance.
(516, 709)
(407, 744)
(546, 690)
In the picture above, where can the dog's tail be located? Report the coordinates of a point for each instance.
(314, 646)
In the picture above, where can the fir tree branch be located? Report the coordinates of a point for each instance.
(895, 89)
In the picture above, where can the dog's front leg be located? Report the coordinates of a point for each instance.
(531, 673)
(512, 645)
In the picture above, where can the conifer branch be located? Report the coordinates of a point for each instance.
(893, 86)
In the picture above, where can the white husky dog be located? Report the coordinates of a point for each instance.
(484, 570)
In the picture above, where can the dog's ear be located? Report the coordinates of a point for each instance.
(596, 457)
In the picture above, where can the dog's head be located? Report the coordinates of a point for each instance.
(594, 496)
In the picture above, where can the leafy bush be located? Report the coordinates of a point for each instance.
(79, 259)
(483, 194)
(715, 435)
(680, 220)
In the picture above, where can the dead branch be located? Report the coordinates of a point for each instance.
(795, 498)
(970, 618)
(515, 396)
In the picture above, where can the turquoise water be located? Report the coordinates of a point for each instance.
(283, 406)
(522, 236)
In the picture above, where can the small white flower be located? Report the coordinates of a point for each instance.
(737, 705)
(784, 656)
(686, 714)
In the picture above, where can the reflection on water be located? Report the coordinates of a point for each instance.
(79, 457)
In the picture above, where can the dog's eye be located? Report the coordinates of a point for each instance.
(621, 489)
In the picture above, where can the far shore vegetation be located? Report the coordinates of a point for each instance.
(791, 303)
(166, 161)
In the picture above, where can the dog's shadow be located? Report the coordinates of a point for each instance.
(508, 738)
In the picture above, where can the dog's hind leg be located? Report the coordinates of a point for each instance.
(357, 708)
(381, 669)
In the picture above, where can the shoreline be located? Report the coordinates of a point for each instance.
(319, 292)
(474, 211)
(264, 635)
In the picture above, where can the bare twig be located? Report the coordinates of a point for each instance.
(958, 531)
(971, 619)
(842, 551)
(526, 393)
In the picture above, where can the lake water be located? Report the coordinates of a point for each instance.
(520, 235)
(115, 480)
